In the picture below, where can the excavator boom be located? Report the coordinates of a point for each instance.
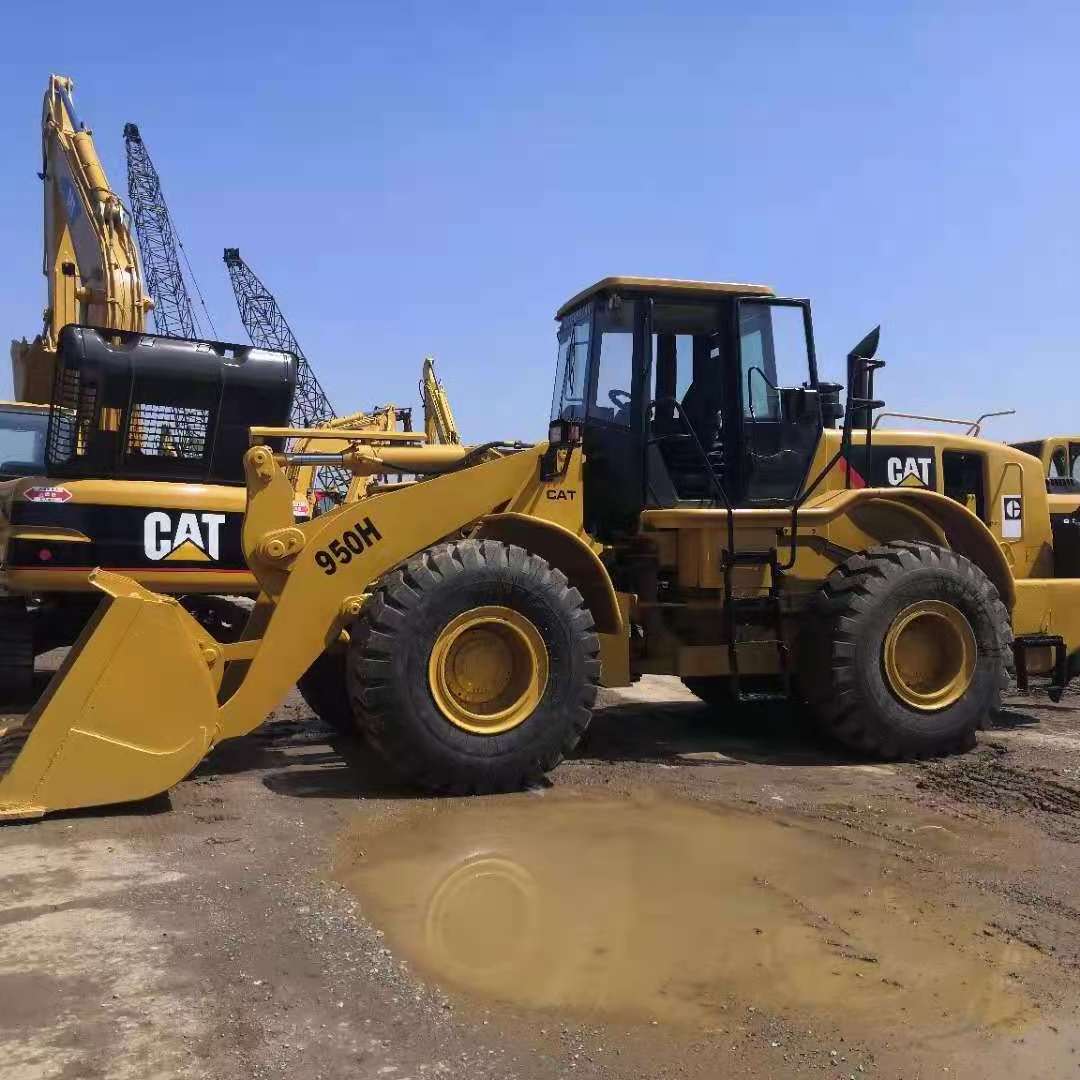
(90, 260)
(439, 423)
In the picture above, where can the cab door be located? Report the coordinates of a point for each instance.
(780, 419)
(613, 437)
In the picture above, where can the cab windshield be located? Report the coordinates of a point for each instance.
(22, 442)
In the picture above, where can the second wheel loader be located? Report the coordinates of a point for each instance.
(743, 534)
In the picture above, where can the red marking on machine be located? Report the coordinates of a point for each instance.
(47, 494)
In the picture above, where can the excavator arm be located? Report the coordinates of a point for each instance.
(91, 262)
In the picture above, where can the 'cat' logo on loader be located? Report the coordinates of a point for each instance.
(909, 472)
(193, 537)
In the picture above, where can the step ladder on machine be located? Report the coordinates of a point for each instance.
(1059, 677)
(762, 610)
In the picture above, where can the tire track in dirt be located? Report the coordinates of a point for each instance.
(992, 783)
(1037, 795)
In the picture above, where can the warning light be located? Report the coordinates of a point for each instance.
(44, 555)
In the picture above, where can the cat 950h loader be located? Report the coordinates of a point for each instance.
(695, 511)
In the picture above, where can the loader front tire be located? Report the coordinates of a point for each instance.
(473, 668)
(906, 656)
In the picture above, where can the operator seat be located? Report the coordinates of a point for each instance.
(682, 456)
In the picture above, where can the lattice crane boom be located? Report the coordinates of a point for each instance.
(268, 328)
(174, 313)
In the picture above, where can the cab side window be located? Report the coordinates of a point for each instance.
(964, 480)
(1059, 468)
(1074, 454)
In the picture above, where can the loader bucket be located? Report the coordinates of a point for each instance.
(131, 712)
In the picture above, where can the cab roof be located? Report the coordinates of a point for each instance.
(674, 287)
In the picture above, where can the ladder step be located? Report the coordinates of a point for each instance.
(761, 610)
(1037, 641)
(748, 607)
(1059, 678)
(750, 558)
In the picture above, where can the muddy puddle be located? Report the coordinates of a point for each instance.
(655, 909)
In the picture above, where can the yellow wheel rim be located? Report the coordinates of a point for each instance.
(930, 654)
(488, 670)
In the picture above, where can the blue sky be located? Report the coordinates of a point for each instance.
(437, 178)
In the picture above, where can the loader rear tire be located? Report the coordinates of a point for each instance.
(325, 691)
(473, 668)
(16, 649)
(906, 656)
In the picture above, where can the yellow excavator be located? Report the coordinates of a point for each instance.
(754, 528)
(141, 489)
(149, 481)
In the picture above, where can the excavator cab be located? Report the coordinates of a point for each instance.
(22, 439)
(686, 394)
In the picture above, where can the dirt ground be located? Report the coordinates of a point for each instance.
(693, 896)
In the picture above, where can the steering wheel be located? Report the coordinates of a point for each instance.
(619, 398)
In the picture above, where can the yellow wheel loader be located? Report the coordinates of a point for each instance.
(695, 511)
(1060, 457)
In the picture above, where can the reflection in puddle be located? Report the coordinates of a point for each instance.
(660, 909)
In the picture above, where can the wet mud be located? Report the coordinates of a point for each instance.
(654, 908)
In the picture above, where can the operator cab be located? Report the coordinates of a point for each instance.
(687, 394)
